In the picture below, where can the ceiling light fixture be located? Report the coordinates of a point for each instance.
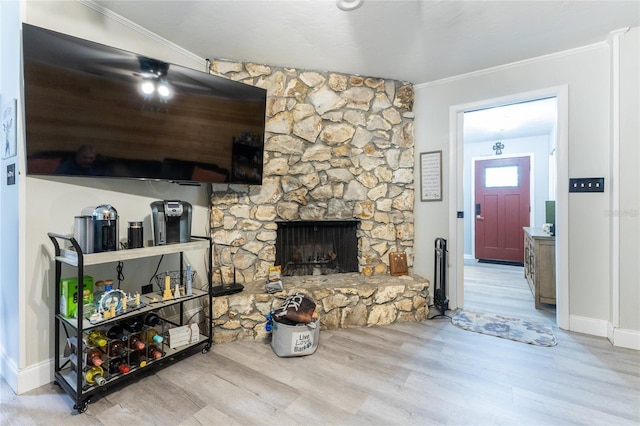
(349, 5)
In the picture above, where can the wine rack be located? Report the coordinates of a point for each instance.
(75, 371)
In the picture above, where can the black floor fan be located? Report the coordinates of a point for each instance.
(440, 300)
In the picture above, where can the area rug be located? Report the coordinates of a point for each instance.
(520, 330)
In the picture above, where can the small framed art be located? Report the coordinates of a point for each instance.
(431, 176)
(9, 137)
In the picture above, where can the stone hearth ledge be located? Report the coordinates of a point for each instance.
(343, 301)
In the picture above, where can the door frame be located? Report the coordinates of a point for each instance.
(473, 192)
(456, 191)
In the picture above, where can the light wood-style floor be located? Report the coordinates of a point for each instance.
(426, 373)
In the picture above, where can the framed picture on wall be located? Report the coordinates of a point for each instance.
(431, 176)
(9, 137)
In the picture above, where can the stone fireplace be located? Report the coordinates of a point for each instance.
(317, 247)
(337, 148)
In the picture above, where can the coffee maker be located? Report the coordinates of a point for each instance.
(105, 228)
(171, 220)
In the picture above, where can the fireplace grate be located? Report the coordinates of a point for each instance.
(317, 247)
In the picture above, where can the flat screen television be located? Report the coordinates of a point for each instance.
(98, 111)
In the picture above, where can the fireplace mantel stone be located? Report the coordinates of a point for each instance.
(343, 301)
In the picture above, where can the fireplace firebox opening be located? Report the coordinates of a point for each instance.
(317, 247)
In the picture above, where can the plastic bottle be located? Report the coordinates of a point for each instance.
(152, 336)
(95, 375)
(189, 286)
(96, 338)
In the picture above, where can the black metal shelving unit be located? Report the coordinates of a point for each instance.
(70, 377)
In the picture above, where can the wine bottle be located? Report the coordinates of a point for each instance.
(117, 349)
(96, 339)
(94, 357)
(151, 335)
(135, 342)
(152, 319)
(95, 375)
(90, 355)
(117, 332)
(118, 365)
(137, 359)
(133, 325)
(154, 352)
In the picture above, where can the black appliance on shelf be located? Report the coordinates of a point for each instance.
(105, 228)
(171, 221)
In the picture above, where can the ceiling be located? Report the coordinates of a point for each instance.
(519, 120)
(414, 41)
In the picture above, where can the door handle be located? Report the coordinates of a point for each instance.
(478, 217)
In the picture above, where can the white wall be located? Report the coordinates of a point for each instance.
(49, 205)
(12, 324)
(629, 212)
(586, 71)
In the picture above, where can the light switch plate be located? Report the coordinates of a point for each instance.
(586, 184)
(11, 174)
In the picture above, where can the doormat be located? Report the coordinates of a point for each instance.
(520, 330)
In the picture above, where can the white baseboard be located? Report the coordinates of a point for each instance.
(32, 377)
(8, 371)
(619, 337)
(592, 326)
(626, 338)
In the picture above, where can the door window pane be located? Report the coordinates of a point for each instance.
(499, 177)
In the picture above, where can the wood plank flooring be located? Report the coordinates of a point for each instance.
(502, 289)
(427, 373)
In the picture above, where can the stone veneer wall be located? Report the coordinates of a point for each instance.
(342, 301)
(336, 147)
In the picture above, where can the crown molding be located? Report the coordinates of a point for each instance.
(516, 64)
(141, 30)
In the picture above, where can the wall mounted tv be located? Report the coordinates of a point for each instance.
(94, 110)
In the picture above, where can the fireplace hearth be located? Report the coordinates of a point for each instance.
(317, 247)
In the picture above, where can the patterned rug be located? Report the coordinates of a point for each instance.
(520, 330)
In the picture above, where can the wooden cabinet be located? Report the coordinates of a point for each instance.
(540, 265)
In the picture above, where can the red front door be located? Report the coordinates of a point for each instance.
(501, 208)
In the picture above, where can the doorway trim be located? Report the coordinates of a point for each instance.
(456, 191)
(473, 194)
